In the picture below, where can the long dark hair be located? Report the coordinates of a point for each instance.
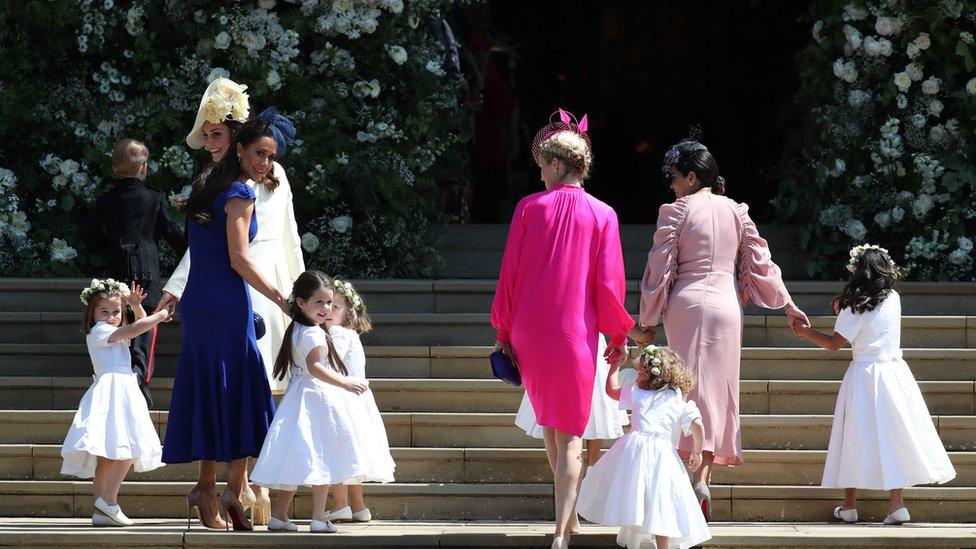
(689, 155)
(871, 282)
(200, 204)
(305, 285)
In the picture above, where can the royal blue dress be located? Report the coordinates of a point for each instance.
(221, 405)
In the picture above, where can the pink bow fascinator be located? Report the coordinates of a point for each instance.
(566, 122)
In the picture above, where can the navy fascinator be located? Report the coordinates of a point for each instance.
(283, 129)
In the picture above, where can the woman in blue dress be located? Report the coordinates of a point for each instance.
(222, 405)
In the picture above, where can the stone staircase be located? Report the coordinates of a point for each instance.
(459, 456)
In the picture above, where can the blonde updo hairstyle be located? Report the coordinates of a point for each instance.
(570, 149)
(670, 372)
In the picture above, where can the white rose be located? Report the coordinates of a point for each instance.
(817, 28)
(69, 167)
(903, 81)
(935, 107)
(883, 219)
(918, 120)
(958, 257)
(964, 244)
(922, 205)
(897, 213)
(217, 72)
(399, 54)
(971, 86)
(886, 47)
(872, 47)
(914, 70)
(853, 36)
(839, 167)
(931, 85)
(938, 134)
(341, 224)
(922, 41)
(310, 242)
(912, 51)
(886, 26)
(953, 126)
(396, 6)
(341, 6)
(222, 41)
(273, 79)
(902, 101)
(374, 88)
(855, 229)
(60, 251)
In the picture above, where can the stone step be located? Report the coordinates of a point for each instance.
(474, 329)
(490, 395)
(758, 363)
(464, 430)
(172, 534)
(484, 465)
(475, 296)
(509, 502)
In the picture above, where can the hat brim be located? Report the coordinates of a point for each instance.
(194, 139)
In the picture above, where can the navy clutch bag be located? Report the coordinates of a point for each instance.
(259, 327)
(505, 369)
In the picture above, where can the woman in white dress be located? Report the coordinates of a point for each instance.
(640, 484)
(276, 249)
(882, 437)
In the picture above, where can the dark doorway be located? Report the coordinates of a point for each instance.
(645, 71)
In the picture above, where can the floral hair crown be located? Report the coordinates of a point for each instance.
(107, 286)
(856, 252)
(566, 123)
(649, 355)
(350, 293)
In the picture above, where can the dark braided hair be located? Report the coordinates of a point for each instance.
(871, 282)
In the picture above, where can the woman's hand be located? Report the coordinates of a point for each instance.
(136, 295)
(353, 386)
(505, 348)
(616, 355)
(796, 316)
(169, 302)
(694, 461)
(642, 335)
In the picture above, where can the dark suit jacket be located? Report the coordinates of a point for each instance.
(123, 228)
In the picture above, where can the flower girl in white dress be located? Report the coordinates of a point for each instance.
(346, 322)
(311, 441)
(641, 485)
(112, 430)
(882, 436)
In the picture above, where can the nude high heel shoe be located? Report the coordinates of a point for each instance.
(235, 511)
(206, 506)
(256, 499)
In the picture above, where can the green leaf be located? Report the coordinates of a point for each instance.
(962, 50)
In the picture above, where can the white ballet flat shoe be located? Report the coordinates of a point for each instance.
(362, 515)
(111, 512)
(275, 525)
(900, 516)
(100, 520)
(320, 527)
(343, 514)
(559, 542)
(849, 516)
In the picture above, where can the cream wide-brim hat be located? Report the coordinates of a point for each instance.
(224, 100)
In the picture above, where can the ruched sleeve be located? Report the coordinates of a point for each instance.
(760, 280)
(662, 262)
(689, 413)
(612, 317)
(501, 305)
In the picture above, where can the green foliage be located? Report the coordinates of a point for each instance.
(890, 88)
(363, 80)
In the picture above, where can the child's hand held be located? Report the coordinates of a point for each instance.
(694, 461)
(356, 387)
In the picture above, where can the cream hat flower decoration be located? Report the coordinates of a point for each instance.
(224, 100)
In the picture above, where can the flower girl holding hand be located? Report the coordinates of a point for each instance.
(641, 484)
(882, 437)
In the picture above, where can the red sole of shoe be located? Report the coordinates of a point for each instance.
(706, 510)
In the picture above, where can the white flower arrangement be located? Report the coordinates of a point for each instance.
(352, 296)
(107, 286)
(856, 252)
(310, 242)
(649, 356)
(61, 252)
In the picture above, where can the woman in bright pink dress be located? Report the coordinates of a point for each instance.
(561, 284)
(708, 261)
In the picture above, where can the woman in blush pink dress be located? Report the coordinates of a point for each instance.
(708, 261)
(561, 284)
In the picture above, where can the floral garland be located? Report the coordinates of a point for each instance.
(106, 286)
(649, 356)
(856, 252)
(346, 290)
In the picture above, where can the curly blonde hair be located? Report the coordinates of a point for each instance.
(672, 371)
(570, 148)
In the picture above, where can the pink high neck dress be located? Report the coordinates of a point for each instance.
(708, 261)
(562, 282)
